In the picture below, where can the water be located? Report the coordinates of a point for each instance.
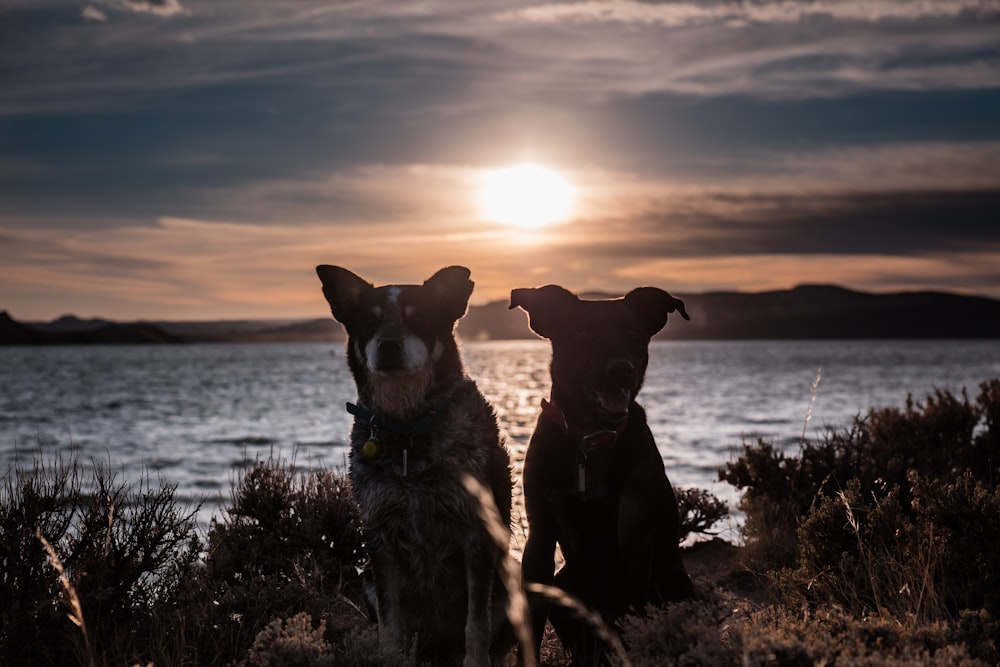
(195, 414)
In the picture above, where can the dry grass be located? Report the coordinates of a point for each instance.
(75, 613)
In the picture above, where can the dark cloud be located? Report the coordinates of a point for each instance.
(671, 132)
(306, 110)
(891, 223)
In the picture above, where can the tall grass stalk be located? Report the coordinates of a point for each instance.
(585, 613)
(75, 614)
(809, 408)
(901, 585)
(517, 605)
(517, 602)
(865, 553)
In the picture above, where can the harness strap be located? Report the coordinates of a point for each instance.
(586, 441)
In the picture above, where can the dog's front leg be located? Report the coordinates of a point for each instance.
(391, 633)
(538, 567)
(480, 573)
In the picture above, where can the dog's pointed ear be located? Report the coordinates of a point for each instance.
(342, 290)
(451, 289)
(652, 305)
(545, 307)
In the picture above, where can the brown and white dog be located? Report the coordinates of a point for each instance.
(420, 426)
(594, 480)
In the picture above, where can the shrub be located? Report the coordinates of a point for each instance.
(149, 590)
(277, 514)
(722, 630)
(865, 553)
(779, 636)
(291, 643)
(122, 546)
(289, 543)
(896, 518)
(962, 520)
(775, 497)
(699, 511)
(942, 438)
(693, 632)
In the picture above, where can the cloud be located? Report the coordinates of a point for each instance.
(914, 165)
(190, 268)
(93, 14)
(906, 200)
(739, 14)
(970, 274)
(767, 49)
(212, 269)
(576, 54)
(897, 223)
(156, 7)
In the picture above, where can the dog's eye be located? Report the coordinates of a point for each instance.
(371, 317)
(413, 314)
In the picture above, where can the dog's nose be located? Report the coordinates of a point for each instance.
(390, 354)
(390, 346)
(621, 372)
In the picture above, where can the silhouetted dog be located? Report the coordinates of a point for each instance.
(420, 426)
(594, 481)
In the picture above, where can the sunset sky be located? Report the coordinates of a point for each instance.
(195, 159)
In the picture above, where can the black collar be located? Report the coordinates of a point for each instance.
(385, 429)
(404, 429)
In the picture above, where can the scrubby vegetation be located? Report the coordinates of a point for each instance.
(897, 516)
(891, 526)
(124, 549)
(150, 590)
(877, 545)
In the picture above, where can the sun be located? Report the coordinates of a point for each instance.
(526, 195)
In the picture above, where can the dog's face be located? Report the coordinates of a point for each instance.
(395, 331)
(600, 349)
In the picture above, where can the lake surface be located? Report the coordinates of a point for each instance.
(196, 414)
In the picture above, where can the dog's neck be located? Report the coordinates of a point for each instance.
(573, 429)
(584, 443)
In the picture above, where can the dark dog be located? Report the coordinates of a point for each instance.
(593, 479)
(421, 425)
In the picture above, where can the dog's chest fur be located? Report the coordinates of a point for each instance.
(419, 514)
(413, 506)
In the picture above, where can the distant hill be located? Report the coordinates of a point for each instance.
(260, 331)
(494, 321)
(825, 311)
(805, 312)
(62, 332)
(303, 331)
(13, 332)
(70, 324)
